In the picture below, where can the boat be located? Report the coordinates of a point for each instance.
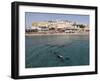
(60, 56)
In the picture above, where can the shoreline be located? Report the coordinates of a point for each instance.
(37, 34)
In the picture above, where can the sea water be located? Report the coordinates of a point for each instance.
(56, 50)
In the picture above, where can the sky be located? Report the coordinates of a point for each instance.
(35, 16)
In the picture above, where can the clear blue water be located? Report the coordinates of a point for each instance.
(56, 50)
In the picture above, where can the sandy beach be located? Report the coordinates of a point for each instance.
(39, 34)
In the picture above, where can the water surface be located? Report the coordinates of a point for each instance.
(56, 50)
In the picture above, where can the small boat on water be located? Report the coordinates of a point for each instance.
(60, 56)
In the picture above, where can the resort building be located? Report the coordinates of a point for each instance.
(62, 26)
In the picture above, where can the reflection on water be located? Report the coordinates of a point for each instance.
(53, 51)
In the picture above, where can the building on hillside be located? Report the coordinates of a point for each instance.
(58, 26)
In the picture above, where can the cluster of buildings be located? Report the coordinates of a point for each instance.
(61, 26)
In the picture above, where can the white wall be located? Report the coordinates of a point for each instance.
(5, 40)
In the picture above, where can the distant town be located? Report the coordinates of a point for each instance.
(56, 27)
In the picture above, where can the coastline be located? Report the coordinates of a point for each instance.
(43, 34)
